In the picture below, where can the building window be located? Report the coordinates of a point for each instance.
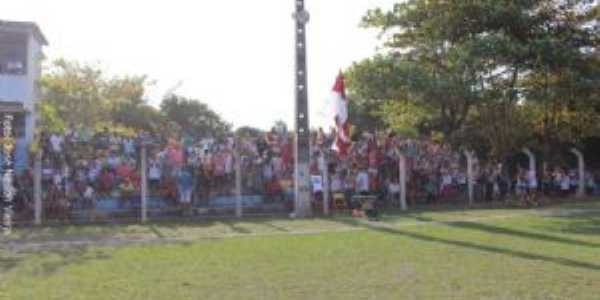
(13, 55)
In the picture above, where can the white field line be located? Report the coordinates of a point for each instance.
(361, 225)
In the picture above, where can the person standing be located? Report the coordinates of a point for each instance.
(185, 184)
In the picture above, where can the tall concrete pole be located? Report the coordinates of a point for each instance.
(302, 206)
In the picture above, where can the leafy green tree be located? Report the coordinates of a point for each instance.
(459, 67)
(49, 118)
(248, 132)
(194, 117)
(82, 95)
(75, 93)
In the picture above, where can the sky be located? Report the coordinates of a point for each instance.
(235, 55)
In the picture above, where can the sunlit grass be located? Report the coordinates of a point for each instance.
(475, 254)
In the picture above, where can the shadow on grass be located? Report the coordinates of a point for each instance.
(8, 262)
(474, 246)
(581, 224)
(236, 228)
(156, 231)
(510, 232)
(51, 259)
(73, 255)
(268, 223)
(522, 234)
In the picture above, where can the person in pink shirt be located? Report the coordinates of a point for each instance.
(175, 156)
(124, 169)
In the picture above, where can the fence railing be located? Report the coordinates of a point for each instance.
(245, 184)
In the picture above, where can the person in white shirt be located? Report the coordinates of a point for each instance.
(94, 170)
(393, 191)
(337, 184)
(58, 180)
(56, 142)
(47, 173)
(446, 183)
(129, 147)
(89, 196)
(565, 185)
(154, 174)
(362, 182)
(113, 160)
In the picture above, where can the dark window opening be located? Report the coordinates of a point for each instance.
(13, 54)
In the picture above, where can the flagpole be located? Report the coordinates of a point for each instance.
(302, 207)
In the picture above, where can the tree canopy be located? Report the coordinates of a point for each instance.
(82, 95)
(194, 117)
(498, 72)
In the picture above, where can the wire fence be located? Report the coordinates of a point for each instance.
(135, 180)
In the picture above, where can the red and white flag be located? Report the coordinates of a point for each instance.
(340, 113)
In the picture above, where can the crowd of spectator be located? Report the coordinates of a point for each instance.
(79, 167)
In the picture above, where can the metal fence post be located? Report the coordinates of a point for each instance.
(470, 180)
(144, 185)
(37, 187)
(532, 165)
(402, 178)
(238, 180)
(581, 171)
(325, 174)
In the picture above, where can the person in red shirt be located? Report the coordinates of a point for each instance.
(124, 169)
(107, 180)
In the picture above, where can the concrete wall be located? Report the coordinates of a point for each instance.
(15, 88)
(25, 89)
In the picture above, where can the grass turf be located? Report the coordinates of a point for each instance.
(551, 253)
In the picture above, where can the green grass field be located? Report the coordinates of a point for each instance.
(550, 253)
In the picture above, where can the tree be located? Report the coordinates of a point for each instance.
(249, 132)
(74, 92)
(138, 116)
(82, 95)
(194, 117)
(466, 66)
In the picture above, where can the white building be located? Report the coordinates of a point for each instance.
(20, 70)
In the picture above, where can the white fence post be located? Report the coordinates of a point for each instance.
(37, 187)
(581, 169)
(325, 174)
(238, 179)
(531, 156)
(144, 185)
(470, 176)
(402, 178)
